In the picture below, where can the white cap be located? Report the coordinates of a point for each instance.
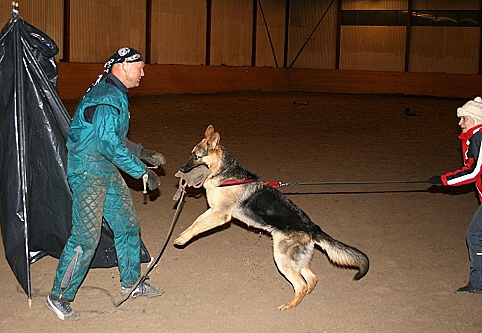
(472, 109)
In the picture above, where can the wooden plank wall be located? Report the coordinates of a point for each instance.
(372, 48)
(270, 24)
(46, 15)
(99, 28)
(178, 33)
(445, 49)
(319, 50)
(231, 33)
(385, 82)
(75, 78)
(178, 38)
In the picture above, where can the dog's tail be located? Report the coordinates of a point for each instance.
(341, 254)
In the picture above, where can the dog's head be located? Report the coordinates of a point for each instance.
(207, 152)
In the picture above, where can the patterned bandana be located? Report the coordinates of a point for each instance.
(123, 54)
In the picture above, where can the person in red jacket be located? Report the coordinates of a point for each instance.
(470, 115)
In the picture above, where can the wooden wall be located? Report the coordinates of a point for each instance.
(46, 15)
(373, 48)
(270, 32)
(319, 50)
(75, 78)
(99, 28)
(288, 33)
(209, 45)
(445, 49)
(178, 32)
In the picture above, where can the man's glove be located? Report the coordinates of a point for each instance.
(152, 157)
(153, 180)
(435, 180)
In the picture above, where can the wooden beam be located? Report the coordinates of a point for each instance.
(338, 35)
(209, 6)
(254, 33)
(147, 56)
(66, 27)
(408, 29)
(286, 43)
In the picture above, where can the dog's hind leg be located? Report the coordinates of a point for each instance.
(310, 278)
(292, 254)
(208, 220)
(298, 284)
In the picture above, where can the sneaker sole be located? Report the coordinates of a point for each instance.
(59, 314)
(134, 295)
(160, 293)
(469, 291)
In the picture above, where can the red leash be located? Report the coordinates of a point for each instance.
(244, 181)
(280, 184)
(237, 182)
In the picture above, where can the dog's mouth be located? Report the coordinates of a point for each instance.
(195, 176)
(189, 166)
(194, 162)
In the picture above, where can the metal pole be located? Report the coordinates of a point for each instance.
(20, 141)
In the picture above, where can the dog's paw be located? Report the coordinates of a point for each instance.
(180, 241)
(286, 306)
(294, 302)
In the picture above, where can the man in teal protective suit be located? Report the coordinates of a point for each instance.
(97, 149)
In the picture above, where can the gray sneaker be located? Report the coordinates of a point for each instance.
(61, 308)
(144, 289)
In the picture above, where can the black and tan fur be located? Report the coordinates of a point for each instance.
(260, 206)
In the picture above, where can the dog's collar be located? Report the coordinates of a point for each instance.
(237, 182)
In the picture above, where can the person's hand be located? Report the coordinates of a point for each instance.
(435, 180)
(152, 157)
(153, 180)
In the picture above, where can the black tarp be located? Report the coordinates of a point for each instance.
(35, 200)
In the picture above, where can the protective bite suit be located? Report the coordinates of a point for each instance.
(96, 151)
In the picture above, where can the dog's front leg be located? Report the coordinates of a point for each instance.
(206, 221)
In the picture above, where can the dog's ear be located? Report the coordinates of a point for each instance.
(214, 140)
(209, 132)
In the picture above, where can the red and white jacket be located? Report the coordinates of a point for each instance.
(472, 169)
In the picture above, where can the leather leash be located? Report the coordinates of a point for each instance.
(153, 264)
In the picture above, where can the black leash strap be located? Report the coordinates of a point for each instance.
(163, 247)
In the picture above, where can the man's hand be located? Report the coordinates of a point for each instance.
(152, 157)
(435, 180)
(153, 180)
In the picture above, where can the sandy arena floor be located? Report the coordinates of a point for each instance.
(227, 281)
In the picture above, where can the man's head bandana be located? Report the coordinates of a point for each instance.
(123, 54)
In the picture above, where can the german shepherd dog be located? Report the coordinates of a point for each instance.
(234, 192)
